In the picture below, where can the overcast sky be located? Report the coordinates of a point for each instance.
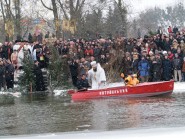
(136, 6)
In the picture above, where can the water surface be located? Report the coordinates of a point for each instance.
(34, 115)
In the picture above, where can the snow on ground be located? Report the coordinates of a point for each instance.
(179, 87)
(16, 94)
(156, 133)
(60, 92)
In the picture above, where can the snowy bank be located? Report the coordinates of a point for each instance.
(158, 133)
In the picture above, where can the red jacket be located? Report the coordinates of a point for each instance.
(171, 56)
(89, 52)
(170, 30)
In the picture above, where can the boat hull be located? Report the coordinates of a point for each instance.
(141, 90)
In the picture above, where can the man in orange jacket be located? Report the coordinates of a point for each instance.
(130, 80)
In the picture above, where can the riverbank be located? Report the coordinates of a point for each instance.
(157, 133)
(179, 87)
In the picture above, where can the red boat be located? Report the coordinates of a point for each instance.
(148, 89)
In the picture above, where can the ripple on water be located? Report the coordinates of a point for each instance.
(30, 115)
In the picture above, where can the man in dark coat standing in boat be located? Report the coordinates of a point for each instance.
(39, 81)
(83, 84)
(73, 65)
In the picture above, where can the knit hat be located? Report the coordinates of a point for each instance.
(165, 52)
(93, 64)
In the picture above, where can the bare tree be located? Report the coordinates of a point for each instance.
(54, 9)
(11, 13)
(123, 13)
(17, 17)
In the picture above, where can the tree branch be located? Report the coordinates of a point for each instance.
(77, 5)
(62, 7)
(2, 11)
(81, 5)
(46, 6)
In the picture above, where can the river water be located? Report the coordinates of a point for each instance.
(43, 114)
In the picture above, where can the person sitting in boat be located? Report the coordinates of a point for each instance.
(82, 83)
(130, 80)
(135, 80)
(96, 76)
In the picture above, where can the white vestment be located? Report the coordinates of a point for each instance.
(96, 78)
(20, 53)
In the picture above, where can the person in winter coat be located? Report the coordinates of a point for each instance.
(130, 80)
(2, 73)
(177, 66)
(73, 66)
(6, 50)
(96, 76)
(65, 51)
(175, 30)
(167, 44)
(156, 68)
(102, 60)
(135, 62)
(84, 66)
(80, 53)
(150, 60)
(9, 76)
(128, 66)
(167, 69)
(170, 55)
(39, 80)
(182, 45)
(144, 68)
(170, 30)
(89, 52)
(129, 47)
(97, 52)
(183, 69)
(82, 84)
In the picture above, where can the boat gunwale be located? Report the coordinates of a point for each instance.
(118, 87)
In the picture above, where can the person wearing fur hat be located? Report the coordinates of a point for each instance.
(96, 75)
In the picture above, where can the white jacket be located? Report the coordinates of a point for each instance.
(96, 78)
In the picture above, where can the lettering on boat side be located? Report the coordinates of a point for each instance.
(113, 92)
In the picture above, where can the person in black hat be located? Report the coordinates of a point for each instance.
(39, 81)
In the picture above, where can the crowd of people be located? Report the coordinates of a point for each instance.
(153, 58)
(159, 57)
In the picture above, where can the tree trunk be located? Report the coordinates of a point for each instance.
(56, 19)
(18, 18)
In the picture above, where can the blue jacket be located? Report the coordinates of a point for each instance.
(143, 67)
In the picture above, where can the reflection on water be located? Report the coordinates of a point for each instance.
(42, 114)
